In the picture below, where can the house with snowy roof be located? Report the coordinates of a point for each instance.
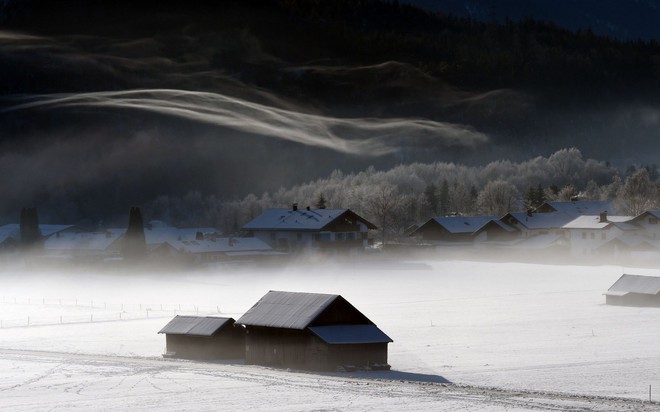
(649, 222)
(83, 247)
(310, 229)
(311, 331)
(220, 249)
(579, 207)
(634, 290)
(595, 235)
(529, 224)
(203, 337)
(454, 229)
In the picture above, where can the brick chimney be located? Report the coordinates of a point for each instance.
(603, 217)
(295, 207)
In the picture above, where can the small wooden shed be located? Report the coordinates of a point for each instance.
(312, 331)
(203, 337)
(634, 290)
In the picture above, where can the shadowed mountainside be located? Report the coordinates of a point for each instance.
(112, 103)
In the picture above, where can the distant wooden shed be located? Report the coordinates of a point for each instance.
(634, 290)
(203, 337)
(311, 331)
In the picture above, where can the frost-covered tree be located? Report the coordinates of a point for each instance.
(638, 193)
(497, 198)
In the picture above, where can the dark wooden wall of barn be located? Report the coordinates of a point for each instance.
(357, 354)
(287, 348)
(229, 345)
(634, 299)
(284, 348)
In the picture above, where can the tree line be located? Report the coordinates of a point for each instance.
(407, 195)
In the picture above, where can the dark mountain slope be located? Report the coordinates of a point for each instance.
(123, 101)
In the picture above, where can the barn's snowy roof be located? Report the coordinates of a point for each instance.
(301, 219)
(289, 310)
(551, 220)
(647, 285)
(594, 222)
(221, 245)
(583, 207)
(350, 334)
(195, 325)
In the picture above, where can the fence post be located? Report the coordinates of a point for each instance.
(91, 317)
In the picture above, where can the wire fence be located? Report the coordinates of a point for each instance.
(93, 311)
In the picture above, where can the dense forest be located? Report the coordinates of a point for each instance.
(448, 90)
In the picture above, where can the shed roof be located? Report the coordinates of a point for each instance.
(301, 219)
(350, 334)
(289, 310)
(646, 285)
(195, 325)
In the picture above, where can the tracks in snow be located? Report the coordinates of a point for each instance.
(89, 378)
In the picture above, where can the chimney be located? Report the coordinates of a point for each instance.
(308, 208)
(603, 217)
(529, 212)
(199, 236)
(295, 207)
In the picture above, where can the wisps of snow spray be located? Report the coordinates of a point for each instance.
(360, 136)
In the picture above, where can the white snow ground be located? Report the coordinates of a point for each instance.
(539, 334)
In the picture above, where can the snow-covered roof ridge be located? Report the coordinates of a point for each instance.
(463, 224)
(597, 222)
(195, 325)
(301, 219)
(289, 310)
(582, 207)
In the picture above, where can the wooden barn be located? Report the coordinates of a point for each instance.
(203, 337)
(634, 290)
(312, 331)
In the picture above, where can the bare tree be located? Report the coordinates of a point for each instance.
(383, 204)
(497, 198)
(638, 193)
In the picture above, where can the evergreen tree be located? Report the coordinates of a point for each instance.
(320, 202)
(431, 196)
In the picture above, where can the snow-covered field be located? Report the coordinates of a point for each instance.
(537, 333)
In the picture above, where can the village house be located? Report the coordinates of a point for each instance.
(311, 331)
(529, 224)
(579, 207)
(452, 230)
(83, 247)
(311, 229)
(221, 249)
(594, 235)
(203, 337)
(634, 290)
